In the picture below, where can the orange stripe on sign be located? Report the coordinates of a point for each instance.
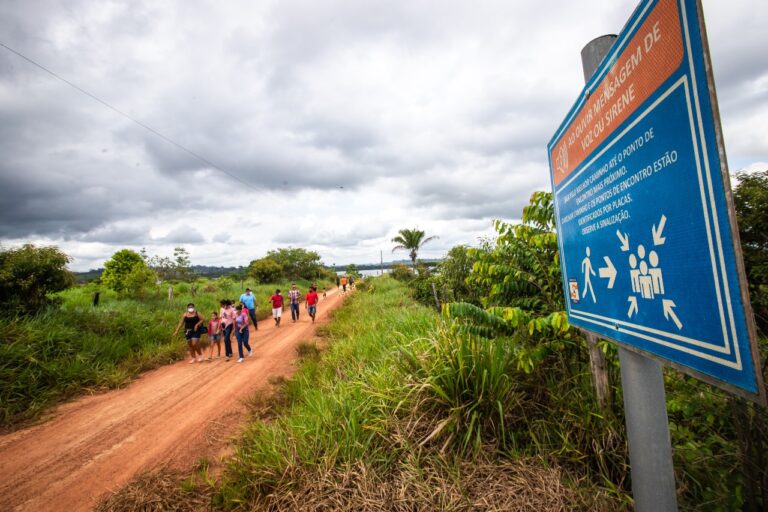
(652, 55)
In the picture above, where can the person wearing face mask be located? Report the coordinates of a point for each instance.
(192, 322)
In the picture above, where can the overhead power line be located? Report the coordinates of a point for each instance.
(130, 118)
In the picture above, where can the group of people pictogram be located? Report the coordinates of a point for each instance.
(237, 318)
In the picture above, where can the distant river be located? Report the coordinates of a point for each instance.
(367, 273)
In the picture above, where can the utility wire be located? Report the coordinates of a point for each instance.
(115, 109)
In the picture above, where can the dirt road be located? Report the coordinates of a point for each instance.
(169, 417)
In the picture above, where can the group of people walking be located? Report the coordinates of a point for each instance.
(237, 319)
(343, 281)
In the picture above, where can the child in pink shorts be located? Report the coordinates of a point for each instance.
(214, 335)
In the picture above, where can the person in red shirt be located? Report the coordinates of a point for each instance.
(312, 299)
(277, 307)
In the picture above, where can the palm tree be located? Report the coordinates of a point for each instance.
(411, 240)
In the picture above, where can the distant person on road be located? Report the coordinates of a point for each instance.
(277, 307)
(241, 332)
(312, 300)
(338, 281)
(351, 281)
(250, 303)
(214, 334)
(192, 321)
(325, 289)
(343, 284)
(227, 314)
(294, 296)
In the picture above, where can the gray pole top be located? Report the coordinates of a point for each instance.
(594, 52)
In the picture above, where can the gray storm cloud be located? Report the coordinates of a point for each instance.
(330, 114)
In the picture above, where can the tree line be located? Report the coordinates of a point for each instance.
(30, 276)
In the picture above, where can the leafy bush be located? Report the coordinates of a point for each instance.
(119, 266)
(421, 287)
(297, 263)
(454, 272)
(523, 268)
(29, 274)
(139, 280)
(265, 270)
(751, 203)
(401, 272)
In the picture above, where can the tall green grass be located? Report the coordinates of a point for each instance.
(338, 409)
(61, 352)
(58, 354)
(467, 381)
(390, 385)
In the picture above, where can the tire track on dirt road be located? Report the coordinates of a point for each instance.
(168, 417)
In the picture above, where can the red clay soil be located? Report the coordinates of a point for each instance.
(169, 417)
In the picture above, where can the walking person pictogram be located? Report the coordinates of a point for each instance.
(586, 267)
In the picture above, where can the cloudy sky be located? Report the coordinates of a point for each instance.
(341, 121)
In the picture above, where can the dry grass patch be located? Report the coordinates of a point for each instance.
(265, 405)
(308, 350)
(162, 491)
(428, 485)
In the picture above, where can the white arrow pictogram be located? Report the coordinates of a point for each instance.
(608, 272)
(624, 240)
(632, 306)
(668, 311)
(657, 238)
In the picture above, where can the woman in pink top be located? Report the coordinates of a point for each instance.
(241, 331)
(227, 314)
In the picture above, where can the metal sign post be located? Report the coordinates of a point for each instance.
(650, 448)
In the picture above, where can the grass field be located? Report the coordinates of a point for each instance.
(63, 352)
(351, 428)
(397, 408)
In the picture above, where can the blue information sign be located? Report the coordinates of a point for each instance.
(643, 217)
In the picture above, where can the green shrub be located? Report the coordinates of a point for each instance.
(28, 275)
(421, 288)
(139, 281)
(121, 265)
(454, 272)
(467, 380)
(401, 272)
(751, 203)
(265, 270)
